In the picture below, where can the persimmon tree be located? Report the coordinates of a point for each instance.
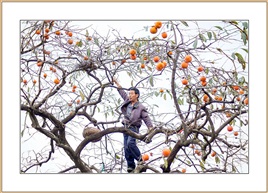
(193, 78)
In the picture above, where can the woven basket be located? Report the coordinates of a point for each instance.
(89, 131)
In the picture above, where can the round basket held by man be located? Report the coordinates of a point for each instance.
(90, 131)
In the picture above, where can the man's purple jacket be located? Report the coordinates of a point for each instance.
(138, 113)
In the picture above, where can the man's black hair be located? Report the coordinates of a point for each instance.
(135, 90)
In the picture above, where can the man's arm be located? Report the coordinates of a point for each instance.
(145, 117)
(122, 93)
(117, 83)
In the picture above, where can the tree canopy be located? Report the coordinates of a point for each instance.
(193, 78)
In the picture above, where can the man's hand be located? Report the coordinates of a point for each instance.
(116, 82)
(150, 129)
(148, 138)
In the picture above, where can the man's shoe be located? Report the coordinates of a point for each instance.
(129, 169)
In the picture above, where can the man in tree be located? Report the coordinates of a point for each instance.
(134, 112)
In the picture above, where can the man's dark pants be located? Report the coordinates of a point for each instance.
(131, 150)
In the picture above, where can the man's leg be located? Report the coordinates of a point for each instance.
(132, 146)
(128, 155)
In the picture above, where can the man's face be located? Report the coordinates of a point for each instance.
(132, 96)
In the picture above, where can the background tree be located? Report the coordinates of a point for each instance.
(193, 78)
